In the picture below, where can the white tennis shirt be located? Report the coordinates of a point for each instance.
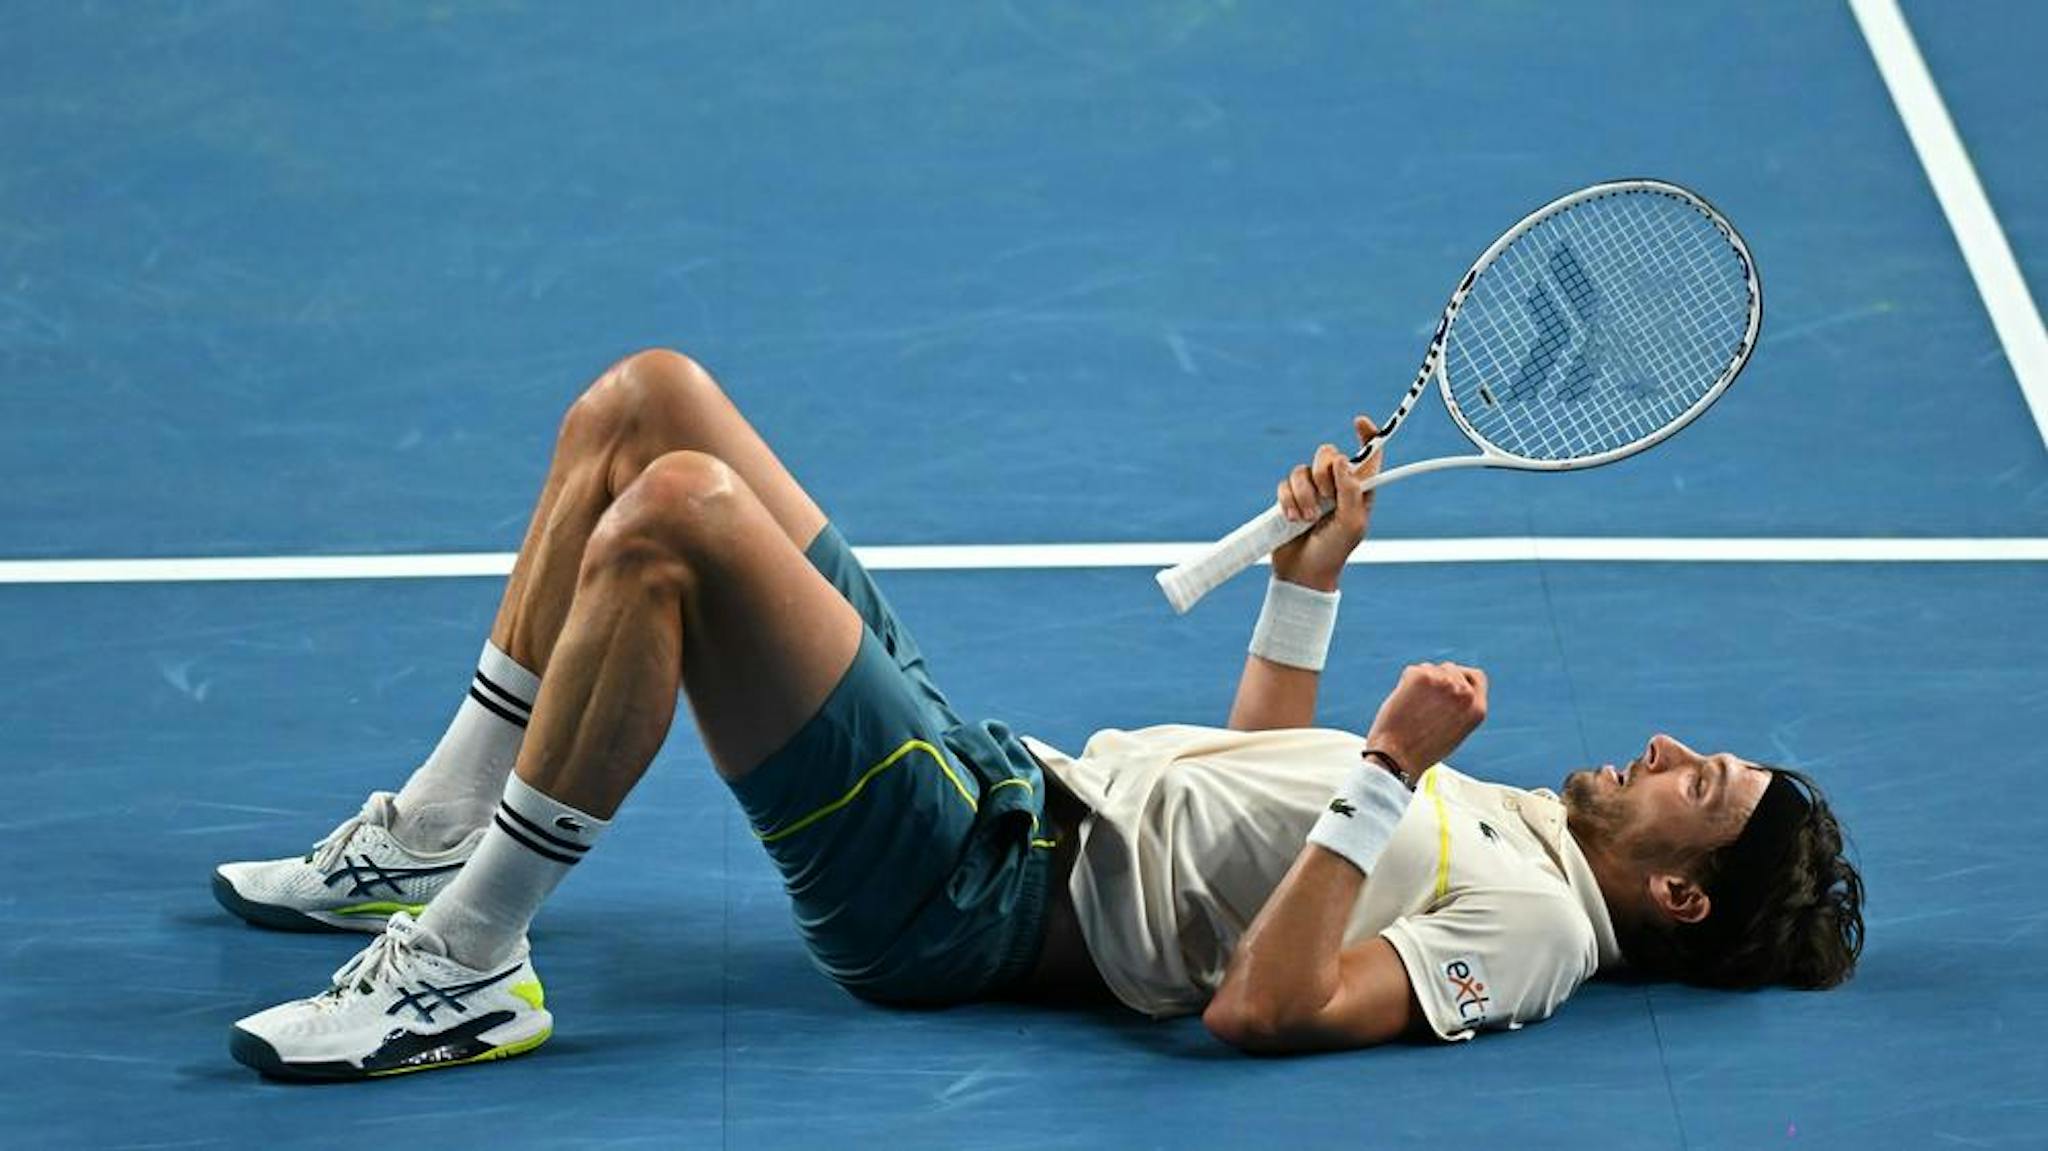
(1482, 891)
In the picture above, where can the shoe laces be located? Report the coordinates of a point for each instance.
(377, 811)
(380, 962)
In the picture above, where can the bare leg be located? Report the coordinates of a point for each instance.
(641, 571)
(646, 405)
(688, 582)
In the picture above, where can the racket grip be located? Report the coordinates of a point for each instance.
(1186, 584)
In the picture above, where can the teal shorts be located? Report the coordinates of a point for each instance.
(908, 840)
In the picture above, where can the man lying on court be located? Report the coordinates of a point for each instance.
(1282, 880)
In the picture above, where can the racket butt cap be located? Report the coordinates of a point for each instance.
(1179, 595)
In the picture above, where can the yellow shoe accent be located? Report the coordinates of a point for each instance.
(381, 909)
(531, 992)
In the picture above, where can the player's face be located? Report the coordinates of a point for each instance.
(1669, 802)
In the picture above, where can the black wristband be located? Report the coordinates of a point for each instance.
(1391, 764)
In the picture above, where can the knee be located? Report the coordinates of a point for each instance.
(648, 392)
(673, 516)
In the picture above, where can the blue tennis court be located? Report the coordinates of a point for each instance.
(284, 281)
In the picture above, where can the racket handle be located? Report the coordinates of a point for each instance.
(1186, 584)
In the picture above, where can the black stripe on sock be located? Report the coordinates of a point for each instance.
(520, 838)
(513, 718)
(509, 699)
(536, 829)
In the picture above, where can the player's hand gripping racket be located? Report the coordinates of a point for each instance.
(1597, 326)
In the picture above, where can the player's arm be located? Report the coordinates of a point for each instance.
(1276, 690)
(1291, 984)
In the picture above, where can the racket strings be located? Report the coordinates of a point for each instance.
(1583, 416)
(1614, 328)
(1675, 333)
(1631, 331)
(1598, 326)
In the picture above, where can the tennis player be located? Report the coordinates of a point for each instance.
(1302, 888)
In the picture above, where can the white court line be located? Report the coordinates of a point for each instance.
(1989, 257)
(1011, 557)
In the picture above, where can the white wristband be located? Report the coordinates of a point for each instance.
(1361, 817)
(1295, 625)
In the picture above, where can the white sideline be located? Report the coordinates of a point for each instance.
(1010, 557)
(2013, 314)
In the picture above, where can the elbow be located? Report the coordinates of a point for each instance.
(1257, 1029)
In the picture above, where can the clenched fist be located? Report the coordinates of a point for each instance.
(1429, 713)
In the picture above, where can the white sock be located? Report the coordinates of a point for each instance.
(452, 793)
(532, 843)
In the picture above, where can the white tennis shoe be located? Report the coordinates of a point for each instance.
(353, 880)
(400, 1005)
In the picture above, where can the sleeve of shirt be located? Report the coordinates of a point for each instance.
(1493, 960)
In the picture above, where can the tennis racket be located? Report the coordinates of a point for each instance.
(1596, 327)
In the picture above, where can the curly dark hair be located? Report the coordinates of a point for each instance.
(1808, 934)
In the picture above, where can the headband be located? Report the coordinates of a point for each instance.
(1751, 865)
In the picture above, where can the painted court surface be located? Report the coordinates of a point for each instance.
(294, 281)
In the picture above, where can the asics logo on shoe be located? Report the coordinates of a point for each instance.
(429, 998)
(569, 823)
(367, 875)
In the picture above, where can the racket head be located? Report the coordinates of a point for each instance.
(1598, 326)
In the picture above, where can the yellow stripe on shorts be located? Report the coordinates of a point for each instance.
(853, 792)
(1026, 785)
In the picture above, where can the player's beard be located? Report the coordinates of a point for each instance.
(1595, 814)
